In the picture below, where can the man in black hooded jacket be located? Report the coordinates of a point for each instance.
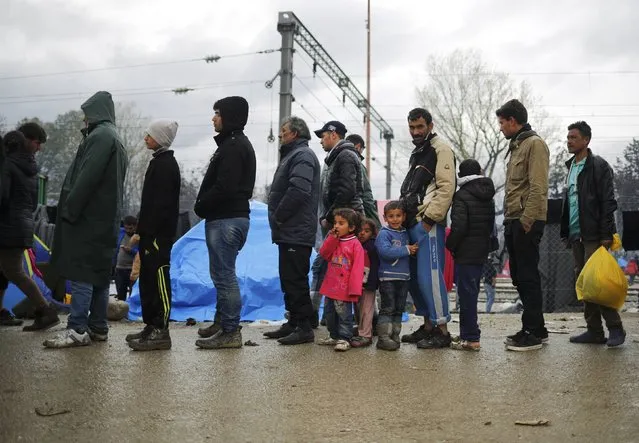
(223, 200)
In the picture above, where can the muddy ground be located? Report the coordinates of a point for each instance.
(311, 393)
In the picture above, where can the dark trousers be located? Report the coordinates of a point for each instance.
(523, 253)
(294, 266)
(122, 282)
(393, 295)
(593, 313)
(155, 282)
(467, 280)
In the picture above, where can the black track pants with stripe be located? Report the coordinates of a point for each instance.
(155, 283)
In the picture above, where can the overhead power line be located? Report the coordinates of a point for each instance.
(207, 59)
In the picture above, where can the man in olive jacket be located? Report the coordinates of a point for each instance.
(525, 209)
(87, 223)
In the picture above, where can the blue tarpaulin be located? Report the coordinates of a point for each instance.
(193, 293)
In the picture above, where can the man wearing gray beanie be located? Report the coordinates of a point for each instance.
(157, 226)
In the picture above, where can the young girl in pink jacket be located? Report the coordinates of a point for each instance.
(342, 285)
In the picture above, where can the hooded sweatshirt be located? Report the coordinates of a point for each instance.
(228, 183)
(160, 206)
(472, 220)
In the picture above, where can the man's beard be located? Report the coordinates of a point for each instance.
(418, 141)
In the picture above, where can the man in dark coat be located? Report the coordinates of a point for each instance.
(18, 201)
(472, 222)
(159, 211)
(368, 200)
(342, 186)
(588, 222)
(292, 210)
(87, 223)
(223, 200)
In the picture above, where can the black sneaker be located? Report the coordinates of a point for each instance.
(526, 342)
(511, 339)
(222, 340)
(386, 344)
(209, 331)
(45, 318)
(418, 335)
(298, 337)
(284, 330)
(158, 339)
(140, 335)
(7, 318)
(437, 340)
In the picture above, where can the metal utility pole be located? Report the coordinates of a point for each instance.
(293, 30)
(368, 95)
(286, 26)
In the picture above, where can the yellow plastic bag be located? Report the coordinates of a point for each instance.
(602, 281)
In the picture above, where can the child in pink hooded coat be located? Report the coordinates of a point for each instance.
(344, 278)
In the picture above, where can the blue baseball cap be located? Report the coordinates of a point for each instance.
(333, 126)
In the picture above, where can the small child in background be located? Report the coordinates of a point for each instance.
(126, 252)
(342, 285)
(366, 304)
(394, 251)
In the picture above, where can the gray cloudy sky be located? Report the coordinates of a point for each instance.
(551, 44)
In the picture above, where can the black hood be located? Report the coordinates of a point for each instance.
(24, 161)
(479, 186)
(234, 112)
(339, 147)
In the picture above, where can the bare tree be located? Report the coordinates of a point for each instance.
(131, 126)
(463, 94)
(3, 124)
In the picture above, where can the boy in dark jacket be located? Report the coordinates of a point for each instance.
(473, 219)
(157, 225)
(394, 251)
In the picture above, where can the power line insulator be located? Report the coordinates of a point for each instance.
(271, 137)
(181, 91)
(212, 58)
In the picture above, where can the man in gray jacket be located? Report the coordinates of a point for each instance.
(292, 213)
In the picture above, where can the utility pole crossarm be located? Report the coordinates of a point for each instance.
(321, 58)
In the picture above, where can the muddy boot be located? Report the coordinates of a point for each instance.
(418, 335)
(396, 330)
(140, 335)
(210, 331)
(158, 339)
(222, 340)
(45, 318)
(384, 341)
(300, 335)
(7, 318)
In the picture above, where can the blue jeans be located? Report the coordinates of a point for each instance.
(224, 240)
(339, 319)
(393, 300)
(467, 279)
(428, 288)
(490, 296)
(88, 307)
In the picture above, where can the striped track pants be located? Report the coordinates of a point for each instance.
(155, 282)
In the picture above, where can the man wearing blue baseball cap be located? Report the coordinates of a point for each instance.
(341, 182)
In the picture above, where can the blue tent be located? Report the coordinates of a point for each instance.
(193, 293)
